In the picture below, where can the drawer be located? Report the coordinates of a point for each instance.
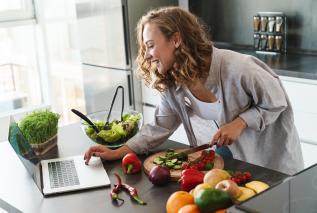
(302, 94)
(309, 154)
(303, 97)
(306, 126)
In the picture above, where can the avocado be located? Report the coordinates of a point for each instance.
(210, 200)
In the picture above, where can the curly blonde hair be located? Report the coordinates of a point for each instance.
(192, 56)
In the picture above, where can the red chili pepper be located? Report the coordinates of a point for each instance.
(131, 190)
(133, 193)
(115, 191)
(191, 178)
(131, 163)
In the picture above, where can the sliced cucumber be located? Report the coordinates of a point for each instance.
(176, 167)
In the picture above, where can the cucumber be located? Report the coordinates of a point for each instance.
(174, 161)
(179, 162)
(176, 167)
(170, 165)
(162, 157)
(157, 161)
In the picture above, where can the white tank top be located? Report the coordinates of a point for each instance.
(205, 110)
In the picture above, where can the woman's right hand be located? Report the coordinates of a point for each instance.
(105, 153)
(98, 151)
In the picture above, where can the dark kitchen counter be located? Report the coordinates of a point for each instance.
(156, 197)
(72, 141)
(290, 64)
(297, 194)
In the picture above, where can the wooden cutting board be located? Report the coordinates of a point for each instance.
(176, 174)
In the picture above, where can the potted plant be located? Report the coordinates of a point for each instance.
(40, 130)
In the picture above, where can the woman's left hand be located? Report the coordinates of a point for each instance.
(229, 133)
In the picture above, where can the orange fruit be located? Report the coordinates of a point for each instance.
(177, 200)
(189, 208)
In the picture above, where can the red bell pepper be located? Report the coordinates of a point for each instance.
(191, 178)
(131, 163)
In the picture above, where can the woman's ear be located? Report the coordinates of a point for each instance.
(177, 39)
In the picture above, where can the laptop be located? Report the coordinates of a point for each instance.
(57, 175)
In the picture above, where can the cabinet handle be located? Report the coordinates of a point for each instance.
(129, 89)
(125, 32)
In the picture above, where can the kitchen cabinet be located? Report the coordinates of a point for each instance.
(309, 154)
(303, 96)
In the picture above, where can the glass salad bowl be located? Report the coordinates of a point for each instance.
(115, 133)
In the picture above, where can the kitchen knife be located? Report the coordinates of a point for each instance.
(191, 150)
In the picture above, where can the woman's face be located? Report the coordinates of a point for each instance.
(158, 49)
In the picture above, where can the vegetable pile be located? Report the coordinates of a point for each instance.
(115, 131)
(204, 163)
(39, 126)
(172, 160)
(212, 191)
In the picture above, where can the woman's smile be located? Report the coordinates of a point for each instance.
(159, 50)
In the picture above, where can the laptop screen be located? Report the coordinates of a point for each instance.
(25, 152)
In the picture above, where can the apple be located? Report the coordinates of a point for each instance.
(214, 176)
(229, 186)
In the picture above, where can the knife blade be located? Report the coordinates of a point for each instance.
(191, 150)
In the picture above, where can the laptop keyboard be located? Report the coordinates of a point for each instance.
(62, 173)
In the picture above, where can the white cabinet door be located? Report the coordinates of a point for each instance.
(309, 154)
(303, 97)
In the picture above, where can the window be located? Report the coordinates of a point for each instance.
(39, 60)
(19, 74)
(14, 10)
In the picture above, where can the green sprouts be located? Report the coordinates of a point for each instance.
(39, 126)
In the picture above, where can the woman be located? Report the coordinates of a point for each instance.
(239, 92)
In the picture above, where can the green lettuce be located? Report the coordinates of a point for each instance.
(116, 130)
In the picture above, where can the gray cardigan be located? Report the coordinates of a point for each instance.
(247, 88)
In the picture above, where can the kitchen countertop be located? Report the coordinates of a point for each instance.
(297, 194)
(156, 197)
(72, 141)
(290, 64)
